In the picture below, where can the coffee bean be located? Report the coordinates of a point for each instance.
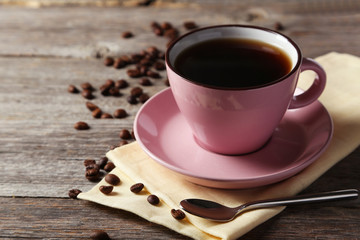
(108, 61)
(96, 113)
(136, 91)
(153, 199)
(104, 89)
(112, 147)
(92, 166)
(81, 126)
(102, 162)
(154, 24)
(106, 116)
(114, 91)
(123, 142)
(143, 98)
(73, 193)
(73, 89)
(167, 83)
(171, 33)
(91, 106)
(132, 100)
(159, 66)
(109, 167)
(119, 63)
(99, 235)
(109, 82)
(120, 113)
(136, 57)
(145, 82)
(190, 25)
(87, 86)
(166, 25)
(112, 179)
(161, 55)
(177, 214)
(106, 189)
(152, 74)
(125, 134)
(92, 174)
(134, 73)
(86, 93)
(122, 83)
(126, 59)
(127, 34)
(158, 31)
(137, 187)
(88, 162)
(279, 26)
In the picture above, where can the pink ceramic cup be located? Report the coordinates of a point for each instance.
(239, 121)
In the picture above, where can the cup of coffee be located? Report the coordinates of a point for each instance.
(234, 83)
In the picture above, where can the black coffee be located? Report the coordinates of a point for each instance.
(233, 63)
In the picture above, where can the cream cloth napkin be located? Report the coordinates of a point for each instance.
(341, 98)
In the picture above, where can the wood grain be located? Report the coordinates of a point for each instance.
(43, 50)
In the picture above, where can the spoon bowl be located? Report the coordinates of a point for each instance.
(218, 212)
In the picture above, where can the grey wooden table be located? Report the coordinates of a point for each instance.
(46, 48)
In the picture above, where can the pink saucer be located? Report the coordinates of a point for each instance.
(301, 137)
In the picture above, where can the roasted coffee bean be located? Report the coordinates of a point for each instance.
(106, 189)
(143, 69)
(91, 106)
(96, 113)
(112, 147)
(73, 89)
(102, 162)
(93, 166)
(99, 235)
(73, 193)
(171, 33)
(143, 98)
(120, 113)
(279, 26)
(110, 82)
(167, 82)
(108, 61)
(88, 162)
(158, 31)
(136, 57)
(87, 86)
(154, 24)
(119, 63)
(86, 93)
(106, 116)
(137, 187)
(177, 214)
(112, 179)
(145, 82)
(134, 73)
(92, 174)
(115, 92)
(153, 51)
(123, 142)
(166, 25)
(190, 25)
(161, 55)
(159, 66)
(136, 91)
(126, 59)
(122, 83)
(152, 74)
(153, 199)
(109, 167)
(127, 34)
(104, 89)
(125, 134)
(81, 126)
(132, 99)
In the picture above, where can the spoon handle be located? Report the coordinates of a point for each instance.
(302, 199)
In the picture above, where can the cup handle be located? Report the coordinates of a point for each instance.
(315, 90)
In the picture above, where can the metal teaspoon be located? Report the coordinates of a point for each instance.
(217, 212)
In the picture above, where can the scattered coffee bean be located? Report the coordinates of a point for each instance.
(153, 199)
(152, 74)
(115, 92)
(88, 162)
(159, 66)
(125, 134)
(121, 84)
(158, 31)
(132, 100)
(136, 91)
(93, 166)
(134, 73)
(91, 106)
(137, 187)
(102, 162)
(167, 82)
(106, 116)
(126, 59)
(99, 235)
(166, 25)
(108, 61)
(177, 214)
(119, 63)
(112, 147)
(96, 113)
(171, 34)
(86, 93)
(106, 189)
(112, 179)
(73, 89)
(81, 126)
(143, 98)
(127, 34)
(109, 167)
(190, 25)
(92, 174)
(123, 142)
(145, 82)
(73, 193)
(279, 26)
(120, 113)
(87, 86)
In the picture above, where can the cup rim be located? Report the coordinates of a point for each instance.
(292, 42)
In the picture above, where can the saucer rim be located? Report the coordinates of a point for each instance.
(288, 172)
